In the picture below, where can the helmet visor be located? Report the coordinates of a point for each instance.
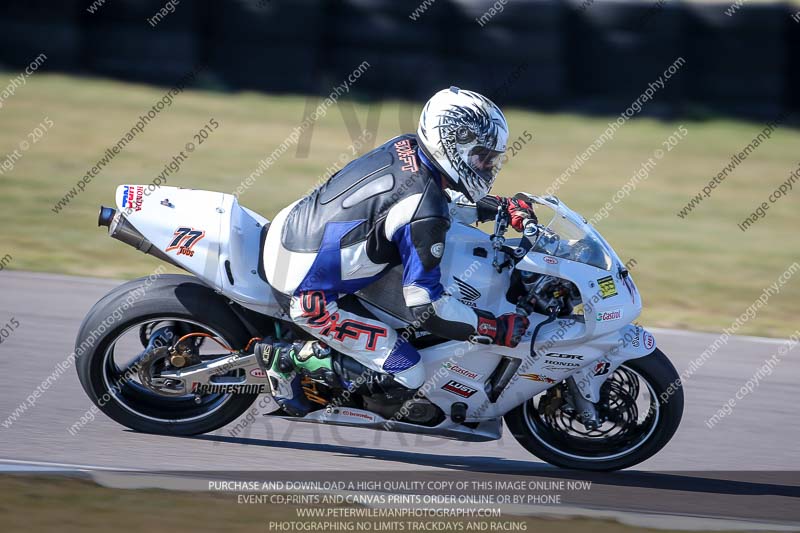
(484, 161)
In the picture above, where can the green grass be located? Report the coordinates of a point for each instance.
(698, 273)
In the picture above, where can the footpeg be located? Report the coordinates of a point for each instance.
(458, 412)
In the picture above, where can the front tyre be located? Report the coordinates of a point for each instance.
(642, 402)
(115, 325)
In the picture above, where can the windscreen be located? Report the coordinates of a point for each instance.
(565, 238)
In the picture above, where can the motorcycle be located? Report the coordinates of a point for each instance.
(585, 388)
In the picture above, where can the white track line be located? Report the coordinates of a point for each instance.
(62, 466)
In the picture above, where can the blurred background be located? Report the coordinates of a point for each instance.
(588, 55)
(77, 76)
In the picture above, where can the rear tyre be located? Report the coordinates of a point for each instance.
(602, 450)
(123, 314)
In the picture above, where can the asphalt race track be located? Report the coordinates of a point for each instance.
(742, 468)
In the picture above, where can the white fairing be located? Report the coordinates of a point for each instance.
(225, 235)
(467, 271)
(589, 347)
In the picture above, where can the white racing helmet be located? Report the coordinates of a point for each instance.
(464, 134)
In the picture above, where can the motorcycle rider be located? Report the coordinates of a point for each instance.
(389, 207)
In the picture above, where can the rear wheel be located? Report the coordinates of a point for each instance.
(172, 305)
(641, 407)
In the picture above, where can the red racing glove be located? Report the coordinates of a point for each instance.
(519, 210)
(505, 330)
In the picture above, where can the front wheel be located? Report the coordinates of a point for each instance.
(642, 406)
(119, 326)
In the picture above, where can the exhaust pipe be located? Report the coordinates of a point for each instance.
(106, 216)
(121, 229)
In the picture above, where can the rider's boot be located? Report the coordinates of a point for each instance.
(287, 364)
(313, 359)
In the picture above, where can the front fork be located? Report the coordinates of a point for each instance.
(586, 409)
(585, 384)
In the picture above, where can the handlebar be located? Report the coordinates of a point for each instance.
(531, 230)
